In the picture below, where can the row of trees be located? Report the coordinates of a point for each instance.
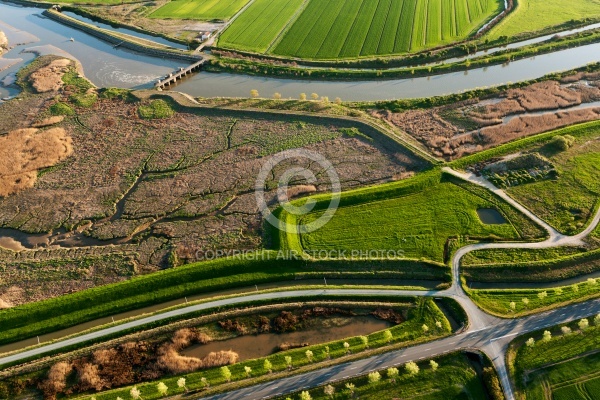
(303, 97)
(392, 373)
(583, 324)
(558, 292)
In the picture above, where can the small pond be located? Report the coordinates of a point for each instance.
(256, 346)
(491, 216)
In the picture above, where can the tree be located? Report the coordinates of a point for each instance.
(248, 371)
(326, 353)
(305, 396)
(288, 361)
(267, 366)
(425, 328)
(597, 320)
(558, 292)
(205, 383)
(314, 96)
(546, 336)
(365, 341)
(226, 373)
(591, 281)
(325, 99)
(338, 101)
(254, 93)
(542, 295)
(525, 301)
(347, 347)
(351, 388)
(277, 96)
(513, 305)
(392, 374)
(303, 96)
(387, 336)
(575, 288)
(434, 366)
(374, 377)
(162, 389)
(438, 324)
(583, 324)
(329, 390)
(309, 355)
(135, 393)
(530, 342)
(181, 384)
(412, 368)
(565, 330)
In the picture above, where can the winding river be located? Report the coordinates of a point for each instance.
(107, 66)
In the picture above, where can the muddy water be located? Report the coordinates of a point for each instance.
(255, 346)
(491, 216)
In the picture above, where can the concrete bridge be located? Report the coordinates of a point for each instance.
(173, 77)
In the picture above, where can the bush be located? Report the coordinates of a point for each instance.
(61, 109)
(156, 109)
(562, 143)
(83, 100)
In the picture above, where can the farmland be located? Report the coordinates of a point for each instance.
(329, 29)
(565, 367)
(199, 9)
(418, 222)
(536, 15)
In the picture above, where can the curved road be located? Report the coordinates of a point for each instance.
(486, 333)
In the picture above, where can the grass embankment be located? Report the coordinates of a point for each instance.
(548, 265)
(414, 218)
(205, 10)
(404, 334)
(536, 15)
(50, 315)
(564, 367)
(455, 378)
(529, 301)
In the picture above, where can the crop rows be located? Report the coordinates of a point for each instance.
(200, 9)
(259, 25)
(353, 28)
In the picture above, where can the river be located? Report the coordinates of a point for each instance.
(106, 66)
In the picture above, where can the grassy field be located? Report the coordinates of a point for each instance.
(568, 202)
(564, 368)
(259, 25)
(329, 29)
(535, 15)
(455, 379)
(417, 222)
(406, 333)
(498, 301)
(199, 9)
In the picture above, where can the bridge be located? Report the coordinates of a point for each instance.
(173, 77)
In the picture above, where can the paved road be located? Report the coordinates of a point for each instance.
(485, 332)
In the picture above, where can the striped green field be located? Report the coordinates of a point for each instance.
(199, 9)
(330, 29)
(256, 28)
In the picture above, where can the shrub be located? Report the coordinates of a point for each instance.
(156, 109)
(61, 108)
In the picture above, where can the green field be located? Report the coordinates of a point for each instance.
(535, 15)
(200, 9)
(417, 221)
(328, 29)
(561, 369)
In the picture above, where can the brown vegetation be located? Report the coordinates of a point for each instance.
(49, 78)
(24, 152)
(474, 125)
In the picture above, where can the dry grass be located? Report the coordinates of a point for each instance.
(49, 78)
(24, 152)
